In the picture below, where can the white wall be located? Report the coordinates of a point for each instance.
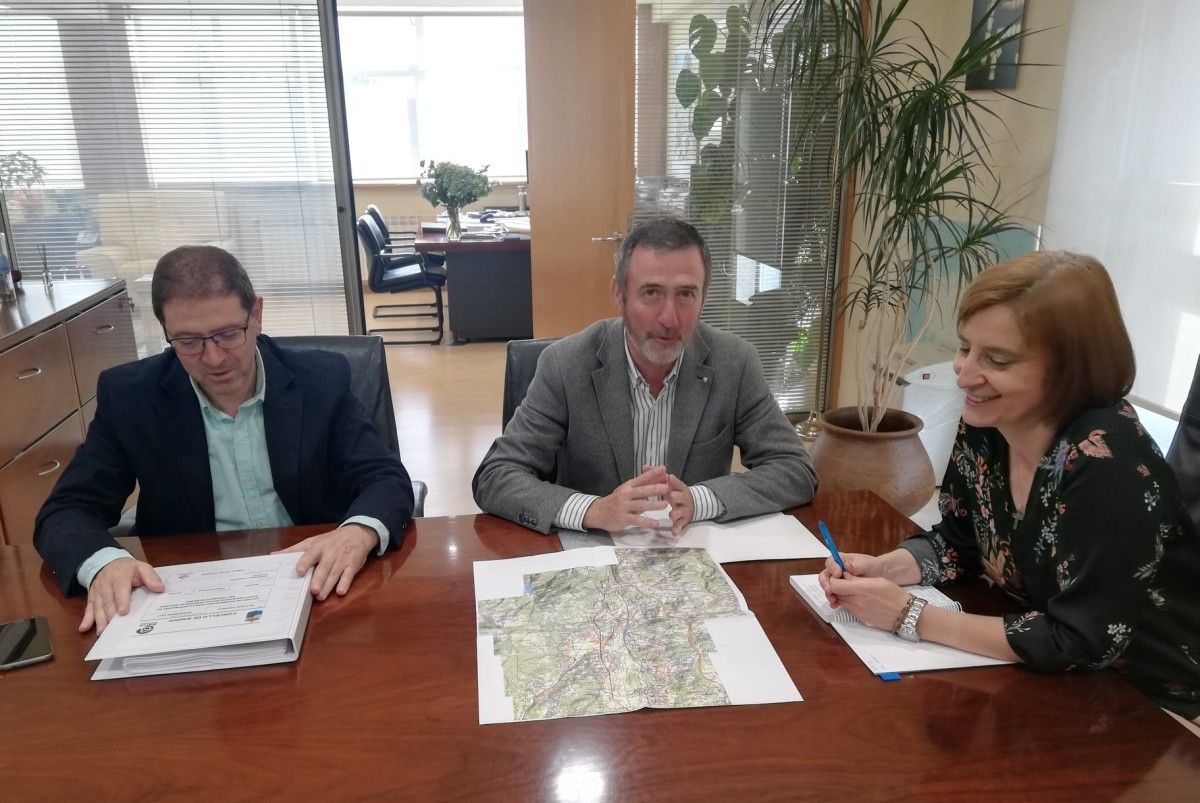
(1125, 184)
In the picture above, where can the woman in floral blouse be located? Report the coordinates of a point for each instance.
(1055, 492)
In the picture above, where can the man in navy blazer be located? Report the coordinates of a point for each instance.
(225, 430)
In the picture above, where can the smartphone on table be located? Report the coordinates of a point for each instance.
(24, 642)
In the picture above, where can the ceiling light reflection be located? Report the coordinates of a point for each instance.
(580, 783)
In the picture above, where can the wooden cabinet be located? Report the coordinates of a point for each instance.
(37, 390)
(53, 345)
(100, 338)
(28, 479)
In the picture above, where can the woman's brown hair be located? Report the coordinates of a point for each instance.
(1066, 308)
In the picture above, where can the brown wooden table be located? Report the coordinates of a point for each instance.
(382, 703)
(489, 284)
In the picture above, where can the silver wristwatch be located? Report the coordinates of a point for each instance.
(906, 628)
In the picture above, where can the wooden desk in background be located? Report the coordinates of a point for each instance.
(489, 286)
(383, 703)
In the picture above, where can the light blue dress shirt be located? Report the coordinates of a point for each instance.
(244, 495)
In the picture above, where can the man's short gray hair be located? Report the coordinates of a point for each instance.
(661, 234)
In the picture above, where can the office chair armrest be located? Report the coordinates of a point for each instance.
(403, 259)
(420, 491)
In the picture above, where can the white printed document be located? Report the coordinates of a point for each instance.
(885, 652)
(775, 536)
(214, 615)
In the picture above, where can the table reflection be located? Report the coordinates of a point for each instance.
(582, 781)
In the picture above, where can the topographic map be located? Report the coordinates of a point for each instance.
(605, 639)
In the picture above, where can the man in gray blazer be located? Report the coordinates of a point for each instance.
(637, 413)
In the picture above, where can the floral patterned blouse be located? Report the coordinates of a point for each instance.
(1105, 557)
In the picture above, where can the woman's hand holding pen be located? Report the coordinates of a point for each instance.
(857, 565)
(874, 601)
(870, 586)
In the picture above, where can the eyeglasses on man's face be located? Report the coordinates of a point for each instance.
(226, 339)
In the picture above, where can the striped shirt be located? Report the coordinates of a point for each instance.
(651, 434)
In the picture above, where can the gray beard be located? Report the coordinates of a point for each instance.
(657, 355)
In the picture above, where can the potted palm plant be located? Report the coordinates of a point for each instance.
(452, 186)
(913, 159)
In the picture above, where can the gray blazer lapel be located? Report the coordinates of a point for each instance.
(611, 383)
(692, 386)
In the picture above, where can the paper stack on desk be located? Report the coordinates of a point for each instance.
(483, 232)
(775, 536)
(215, 615)
(517, 224)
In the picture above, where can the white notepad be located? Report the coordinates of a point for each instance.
(885, 652)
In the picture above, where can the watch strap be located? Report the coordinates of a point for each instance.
(906, 627)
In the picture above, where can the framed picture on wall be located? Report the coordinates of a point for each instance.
(1004, 18)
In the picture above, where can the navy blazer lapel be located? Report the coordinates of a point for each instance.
(283, 416)
(179, 412)
(692, 386)
(611, 383)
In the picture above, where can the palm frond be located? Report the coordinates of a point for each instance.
(915, 140)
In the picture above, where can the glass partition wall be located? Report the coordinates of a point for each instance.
(129, 128)
(716, 141)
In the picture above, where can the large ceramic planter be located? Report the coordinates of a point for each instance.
(891, 462)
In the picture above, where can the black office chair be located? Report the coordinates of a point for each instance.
(401, 241)
(369, 384)
(1184, 454)
(394, 272)
(519, 367)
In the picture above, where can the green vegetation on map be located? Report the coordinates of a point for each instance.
(607, 639)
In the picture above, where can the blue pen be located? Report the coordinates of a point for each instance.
(833, 550)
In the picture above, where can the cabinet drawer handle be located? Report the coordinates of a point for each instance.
(50, 468)
(29, 373)
(105, 329)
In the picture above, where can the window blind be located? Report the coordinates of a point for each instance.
(154, 125)
(715, 142)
